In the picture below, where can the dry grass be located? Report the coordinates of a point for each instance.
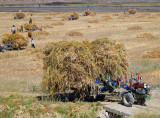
(107, 17)
(141, 17)
(57, 23)
(48, 18)
(74, 33)
(146, 14)
(93, 21)
(135, 28)
(145, 35)
(152, 54)
(151, 17)
(29, 26)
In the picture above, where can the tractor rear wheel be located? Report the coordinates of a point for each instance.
(128, 99)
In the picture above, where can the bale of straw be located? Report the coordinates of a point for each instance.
(132, 11)
(20, 15)
(30, 26)
(74, 33)
(57, 23)
(135, 28)
(17, 40)
(145, 35)
(93, 21)
(75, 65)
(152, 54)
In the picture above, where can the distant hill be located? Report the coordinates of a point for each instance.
(86, 1)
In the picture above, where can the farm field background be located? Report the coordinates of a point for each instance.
(21, 72)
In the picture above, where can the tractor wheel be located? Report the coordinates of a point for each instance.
(128, 99)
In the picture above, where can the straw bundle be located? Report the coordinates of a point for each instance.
(135, 28)
(75, 65)
(132, 11)
(152, 54)
(73, 33)
(145, 35)
(20, 15)
(17, 40)
(29, 26)
(75, 15)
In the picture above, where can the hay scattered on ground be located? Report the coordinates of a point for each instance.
(37, 33)
(146, 14)
(152, 54)
(151, 17)
(93, 21)
(135, 28)
(47, 26)
(17, 40)
(75, 15)
(20, 15)
(48, 18)
(141, 17)
(107, 17)
(30, 26)
(57, 23)
(74, 33)
(63, 18)
(145, 35)
(122, 16)
(75, 65)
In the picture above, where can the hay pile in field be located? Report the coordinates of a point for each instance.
(76, 65)
(74, 33)
(145, 35)
(57, 23)
(152, 54)
(20, 15)
(37, 33)
(146, 14)
(17, 40)
(93, 21)
(30, 26)
(141, 17)
(48, 18)
(132, 11)
(88, 13)
(63, 18)
(107, 17)
(47, 26)
(135, 28)
(151, 17)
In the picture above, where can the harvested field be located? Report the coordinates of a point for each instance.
(48, 18)
(107, 17)
(47, 26)
(37, 33)
(145, 35)
(135, 28)
(73, 33)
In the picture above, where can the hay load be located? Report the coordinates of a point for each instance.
(30, 26)
(132, 11)
(17, 40)
(75, 65)
(155, 53)
(19, 15)
(88, 13)
(74, 16)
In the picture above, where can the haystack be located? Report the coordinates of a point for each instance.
(135, 28)
(19, 15)
(30, 26)
(132, 11)
(75, 65)
(152, 54)
(17, 40)
(145, 35)
(74, 16)
(74, 33)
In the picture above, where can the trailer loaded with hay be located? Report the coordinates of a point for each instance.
(88, 13)
(19, 15)
(74, 66)
(74, 16)
(14, 41)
